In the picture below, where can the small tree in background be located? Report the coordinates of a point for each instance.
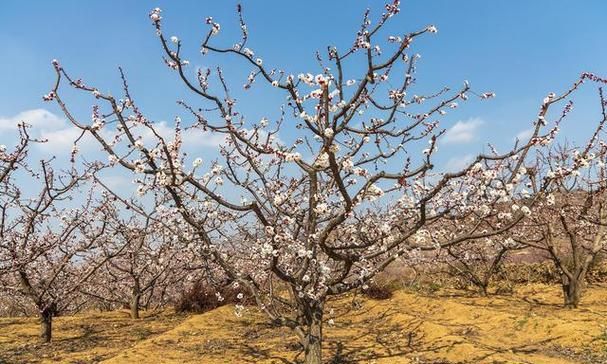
(570, 223)
(152, 256)
(47, 249)
(478, 262)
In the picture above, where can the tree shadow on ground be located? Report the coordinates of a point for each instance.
(372, 332)
(392, 334)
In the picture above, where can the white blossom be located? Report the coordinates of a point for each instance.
(322, 161)
(321, 208)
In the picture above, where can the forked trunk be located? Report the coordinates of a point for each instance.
(313, 340)
(572, 292)
(483, 288)
(484, 291)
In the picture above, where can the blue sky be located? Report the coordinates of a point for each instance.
(519, 49)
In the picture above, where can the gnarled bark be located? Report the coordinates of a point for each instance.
(135, 301)
(46, 324)
(313, 340)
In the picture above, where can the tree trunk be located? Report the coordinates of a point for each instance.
(135, 305)
(313, 341)
(572, 291)
(46, 325)
(135, 298)
(484, 289)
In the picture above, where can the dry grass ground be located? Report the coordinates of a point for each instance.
(528, 327)
(83, 338)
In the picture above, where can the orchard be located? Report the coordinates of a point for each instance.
(309, 201)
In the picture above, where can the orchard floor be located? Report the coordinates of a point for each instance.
(527, 327)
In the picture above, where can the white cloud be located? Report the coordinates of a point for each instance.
(44, 125)
(60, 141)
(463, 131)
(60, 135)
(37, 118)
(193, 138)
(190, 137)
(457, 163)
(524, 135)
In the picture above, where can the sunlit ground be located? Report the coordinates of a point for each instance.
(527, 327)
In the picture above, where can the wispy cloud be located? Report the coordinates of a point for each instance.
(190, 137)
(458, 163)
(463, 131)
(524, 135)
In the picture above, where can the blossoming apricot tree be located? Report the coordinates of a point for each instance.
(570, 222)
(295, 223)
(47, 247)
(153, 256)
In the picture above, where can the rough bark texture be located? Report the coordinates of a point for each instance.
(572, 292)
(46, 325)
(135, 305)
(135, 299)
(313, 342)
(484, 289)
